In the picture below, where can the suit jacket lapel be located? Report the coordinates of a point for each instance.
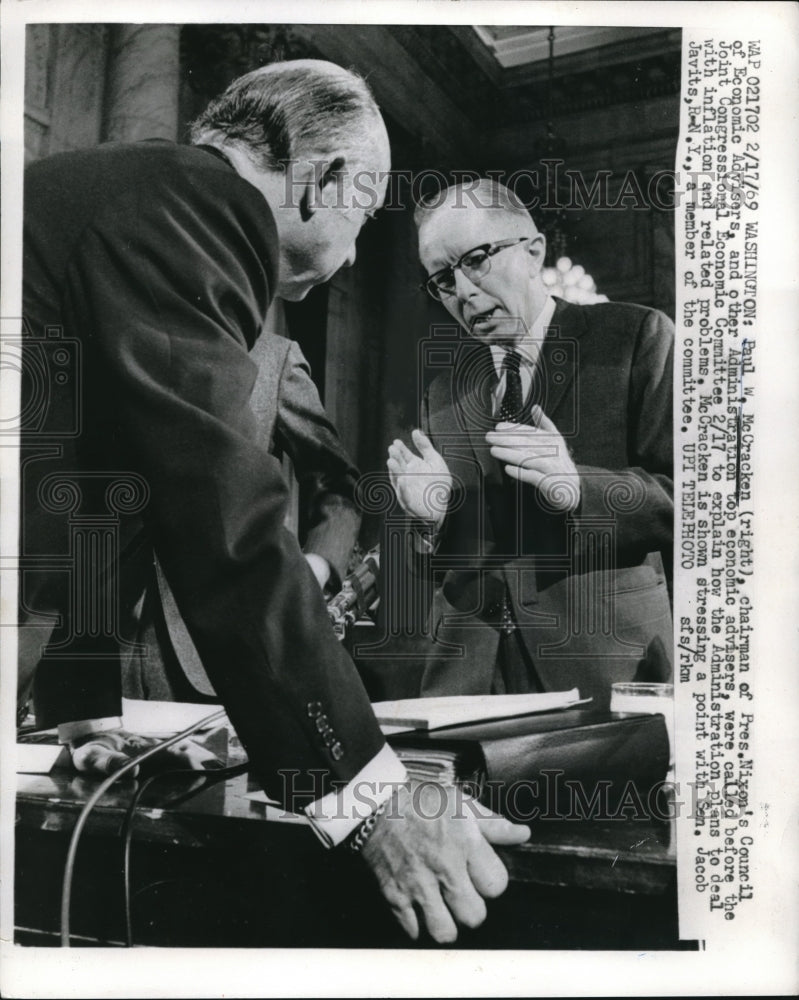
(182, 642)
(557, 371)
(557, 365)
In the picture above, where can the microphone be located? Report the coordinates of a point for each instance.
(358, 593)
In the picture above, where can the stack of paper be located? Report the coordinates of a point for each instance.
(164, 718)
(458, 710)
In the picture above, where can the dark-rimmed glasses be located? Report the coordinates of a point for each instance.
(475, 264)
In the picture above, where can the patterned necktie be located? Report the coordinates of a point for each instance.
(513, 400)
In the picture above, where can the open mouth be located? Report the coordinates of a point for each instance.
(481, 318)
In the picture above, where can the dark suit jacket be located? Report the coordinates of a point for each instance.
(589, 591)
(300, 428)
(291, 420)
(152, 266)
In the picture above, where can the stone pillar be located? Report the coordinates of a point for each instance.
(141, 100)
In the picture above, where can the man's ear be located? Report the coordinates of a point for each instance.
(324, 186)
(303, 187)
(536, 251)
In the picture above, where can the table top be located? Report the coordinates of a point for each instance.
(625, 855)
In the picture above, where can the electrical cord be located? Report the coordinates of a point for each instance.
(94, 798)
(126, 831)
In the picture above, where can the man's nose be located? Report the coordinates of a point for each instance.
(465, 288)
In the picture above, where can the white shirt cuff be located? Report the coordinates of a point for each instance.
(335, 816)
(69, 731)
(426, 538)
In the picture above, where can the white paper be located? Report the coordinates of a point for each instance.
(274, 812)
(435, 713)
(164, 718)
(37, 758)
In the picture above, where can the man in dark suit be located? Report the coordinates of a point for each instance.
(542, 488)
(292, 422)
(148, 271)
(328, 516)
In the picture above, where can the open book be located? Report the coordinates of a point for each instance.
(457, 710)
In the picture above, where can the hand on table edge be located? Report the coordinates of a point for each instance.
(431, 854)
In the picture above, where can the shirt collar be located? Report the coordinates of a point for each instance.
(530, 345)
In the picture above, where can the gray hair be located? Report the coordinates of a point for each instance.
(289, 109)
(482, 192)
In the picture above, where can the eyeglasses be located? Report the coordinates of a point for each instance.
(475, 264)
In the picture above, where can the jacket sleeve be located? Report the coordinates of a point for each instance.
(640, 496)
(330, 520)
(172, 287)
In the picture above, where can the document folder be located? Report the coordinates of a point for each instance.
(575, 763)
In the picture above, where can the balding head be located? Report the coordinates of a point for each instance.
(309, 136)
(287, 111)
(488, 196)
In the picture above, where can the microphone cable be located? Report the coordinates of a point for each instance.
(126, 831)
(94, 798)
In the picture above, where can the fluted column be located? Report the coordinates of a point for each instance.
(141, 99)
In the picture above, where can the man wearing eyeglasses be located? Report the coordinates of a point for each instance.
(541, 481)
